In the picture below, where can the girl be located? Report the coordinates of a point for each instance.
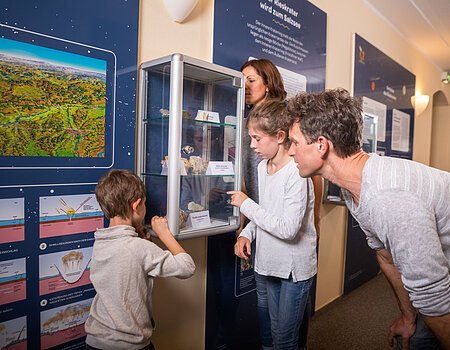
(282, 225)
(264, 81)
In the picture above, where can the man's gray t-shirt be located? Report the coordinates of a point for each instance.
(404, 207)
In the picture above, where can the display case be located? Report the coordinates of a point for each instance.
(189, 143)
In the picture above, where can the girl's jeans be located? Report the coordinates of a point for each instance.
(281, 305)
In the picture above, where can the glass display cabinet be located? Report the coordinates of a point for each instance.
(189, 143)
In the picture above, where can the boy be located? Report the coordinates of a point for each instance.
(123, 266)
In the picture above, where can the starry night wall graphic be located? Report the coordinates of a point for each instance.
(97, 42)
(68, 79)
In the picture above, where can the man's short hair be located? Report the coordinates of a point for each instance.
(117, 190)
(331, 113)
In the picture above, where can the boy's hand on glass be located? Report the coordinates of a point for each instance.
(243, 248)
(161, 228)
(237, 197)
(160, 225)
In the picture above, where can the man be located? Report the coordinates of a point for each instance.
(402, 206)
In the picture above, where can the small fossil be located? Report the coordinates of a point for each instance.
(187, 149)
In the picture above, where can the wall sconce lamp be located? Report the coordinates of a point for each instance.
(420, 103)
(179, 10)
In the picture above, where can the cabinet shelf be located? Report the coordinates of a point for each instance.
(220, 226)
(187, 121)
(188, 175)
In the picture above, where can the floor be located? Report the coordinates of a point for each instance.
(359, 320)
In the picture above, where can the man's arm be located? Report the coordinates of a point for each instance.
(408, 226)
(405, 324)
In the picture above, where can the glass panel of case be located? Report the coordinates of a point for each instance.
(207, 154)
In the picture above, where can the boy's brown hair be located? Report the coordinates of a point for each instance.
(117, 190)
(268, 116)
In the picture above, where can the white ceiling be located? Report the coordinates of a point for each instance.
(424, 23)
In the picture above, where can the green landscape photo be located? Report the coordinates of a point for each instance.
(52, 103)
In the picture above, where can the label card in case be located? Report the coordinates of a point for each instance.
(199, 219)
(220, 168)
(207, 116)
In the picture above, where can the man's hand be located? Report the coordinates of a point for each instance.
(242, 248)
(403, 327)
(405, 324)
(237, 197)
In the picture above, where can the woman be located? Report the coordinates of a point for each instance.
(262, 80)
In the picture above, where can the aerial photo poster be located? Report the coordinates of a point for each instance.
(67, 115)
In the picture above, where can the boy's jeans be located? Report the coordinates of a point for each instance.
(286, 303)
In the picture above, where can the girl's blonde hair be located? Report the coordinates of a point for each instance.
(269, 117)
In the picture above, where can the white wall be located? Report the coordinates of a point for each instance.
(179, 305)
(440, 142)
